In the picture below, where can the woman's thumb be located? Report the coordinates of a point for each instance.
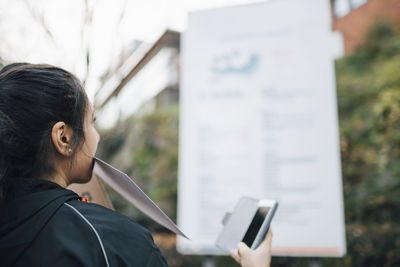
(242, 248)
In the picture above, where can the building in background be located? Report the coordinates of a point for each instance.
(147, 81)
(354, 17)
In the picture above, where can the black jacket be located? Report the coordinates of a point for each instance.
(46, 225)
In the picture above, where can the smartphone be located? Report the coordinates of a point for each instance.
(249, 222)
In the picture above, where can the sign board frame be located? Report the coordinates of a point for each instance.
(259, 118)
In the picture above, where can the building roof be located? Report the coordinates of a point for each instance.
(169, 38)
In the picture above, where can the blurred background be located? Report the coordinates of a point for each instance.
(127, 54)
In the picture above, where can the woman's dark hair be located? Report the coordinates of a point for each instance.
(32, 99)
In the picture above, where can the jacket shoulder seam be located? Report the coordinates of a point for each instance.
(94, 230)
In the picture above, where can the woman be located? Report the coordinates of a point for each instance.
(48, 141)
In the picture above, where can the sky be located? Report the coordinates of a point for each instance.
(64, 40)
(113, 27)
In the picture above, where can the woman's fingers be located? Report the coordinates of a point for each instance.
(243, 249)
(235, 255)
(269, 236)
(261, 257)
(266, 242)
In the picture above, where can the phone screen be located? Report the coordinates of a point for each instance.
(255, 225)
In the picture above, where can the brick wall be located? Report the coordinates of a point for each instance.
(355, 24)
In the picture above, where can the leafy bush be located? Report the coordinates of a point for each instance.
(146, 148)
(368, 83)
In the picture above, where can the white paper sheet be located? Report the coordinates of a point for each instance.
(128, 189)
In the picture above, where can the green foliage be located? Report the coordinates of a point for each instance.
(146, 148)
(369, 114)
(380, 44)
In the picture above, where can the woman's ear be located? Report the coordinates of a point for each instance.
(61, 135)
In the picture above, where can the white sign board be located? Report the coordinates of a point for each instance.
(259, 119)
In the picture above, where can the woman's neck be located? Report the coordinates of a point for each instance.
(57, 178)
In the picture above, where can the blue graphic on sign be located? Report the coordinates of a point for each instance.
(235, 63)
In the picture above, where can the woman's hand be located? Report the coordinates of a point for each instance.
(261, 257)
